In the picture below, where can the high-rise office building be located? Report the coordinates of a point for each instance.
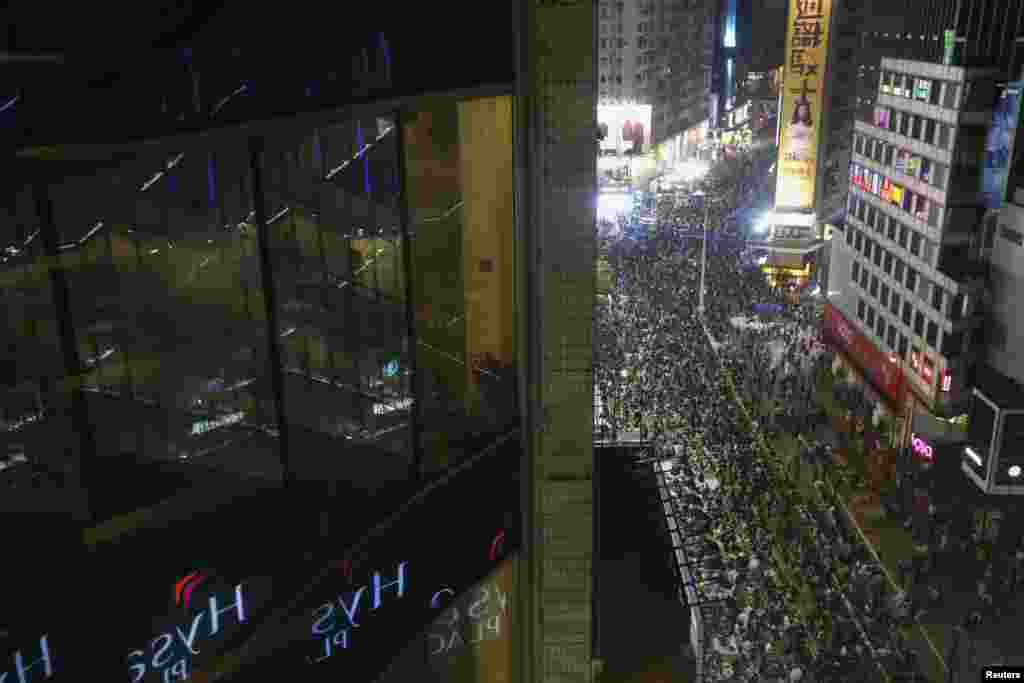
(965, 33)
(983, 33)
(295, 380)
(678, 79)
(650, 73)
(905, 292)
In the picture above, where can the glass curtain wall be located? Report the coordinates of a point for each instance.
(327, 306)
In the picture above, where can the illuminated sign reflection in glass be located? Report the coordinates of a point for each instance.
(482, 620)
(204, 426)
(29, 666)
(334, 621)
(167, 656)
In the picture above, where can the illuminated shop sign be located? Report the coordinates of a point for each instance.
(886, 189)
(204, 426)
(394, 406)
(922, 89)
(26, 666)
(896, 197)
(921, 448)
(913, 166)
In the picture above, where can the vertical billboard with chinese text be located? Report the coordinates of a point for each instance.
(802, 96)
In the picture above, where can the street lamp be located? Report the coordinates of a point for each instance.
(696, 199)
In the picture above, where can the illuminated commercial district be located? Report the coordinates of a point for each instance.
(351, 374)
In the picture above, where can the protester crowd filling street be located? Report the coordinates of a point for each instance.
(791, 593)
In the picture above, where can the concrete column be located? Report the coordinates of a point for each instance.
(556, 187)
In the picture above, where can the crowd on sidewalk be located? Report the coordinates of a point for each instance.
(795, 596)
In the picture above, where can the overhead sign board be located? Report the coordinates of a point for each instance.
(802, 100)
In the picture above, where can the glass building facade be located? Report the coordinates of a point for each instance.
(229, 357)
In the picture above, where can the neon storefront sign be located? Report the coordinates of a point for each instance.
(921, 448)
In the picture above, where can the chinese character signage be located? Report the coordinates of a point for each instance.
(802, 97)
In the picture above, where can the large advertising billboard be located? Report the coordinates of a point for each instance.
(802, 96)
(625, 127)
(999, 144)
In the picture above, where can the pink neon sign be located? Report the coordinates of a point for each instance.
(921, 447)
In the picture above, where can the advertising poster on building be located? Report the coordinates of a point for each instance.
(802, 98)
(625, 126)
(999, 144)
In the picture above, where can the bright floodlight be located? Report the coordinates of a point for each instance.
(612, 205)
(1014, 471)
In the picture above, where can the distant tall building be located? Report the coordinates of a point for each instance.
(985, 33)
(649, 71)
(902, 275)
(731, 37)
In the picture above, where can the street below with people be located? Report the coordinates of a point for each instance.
(785, 587)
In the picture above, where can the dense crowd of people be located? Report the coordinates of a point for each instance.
(788, 590)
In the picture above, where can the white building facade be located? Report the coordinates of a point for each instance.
(904, 272)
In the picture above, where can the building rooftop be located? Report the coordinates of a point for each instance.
(933, 70)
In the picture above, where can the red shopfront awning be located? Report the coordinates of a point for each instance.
(876, 365)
